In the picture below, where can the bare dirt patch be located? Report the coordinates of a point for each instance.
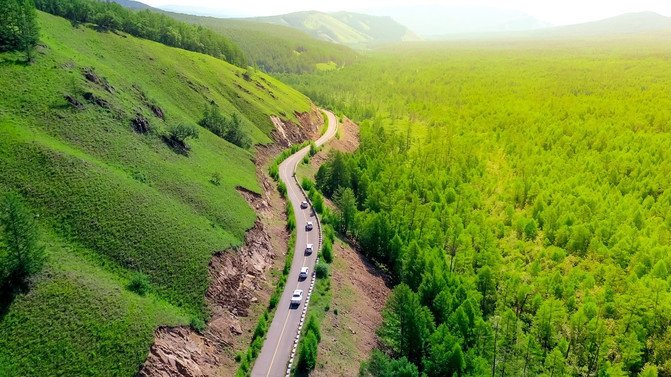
(359, 293)
(242, 280)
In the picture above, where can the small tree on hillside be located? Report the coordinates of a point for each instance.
(23, 255)
(18, 26)
(179, 133)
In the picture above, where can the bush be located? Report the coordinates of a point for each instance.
(313, 327)
(282, 188)
(318, 203)
(274, 300)
(307, 185)
(291, 219)
(261, 328)
(197, 324)
(274, 172)
(327, 251)
(322, 270)
(307, 354)
(313, 149)
(180, 132)
(139, 284)
(215, 179)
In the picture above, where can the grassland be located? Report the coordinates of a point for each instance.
(114, 202)
(518, 192)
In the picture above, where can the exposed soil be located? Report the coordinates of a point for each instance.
(241, 280)
(359, 293)
(287, 133)
(348, 142)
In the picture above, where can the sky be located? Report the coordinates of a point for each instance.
(557, 12)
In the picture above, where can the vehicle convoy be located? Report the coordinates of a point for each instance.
(304, 204)
(309, 249)
(297, 297)
(303, 274)
(308, 226)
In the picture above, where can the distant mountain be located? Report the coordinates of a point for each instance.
(133, 4)
(439, 20)
(628, 23)
(352, 29)
(205, 11)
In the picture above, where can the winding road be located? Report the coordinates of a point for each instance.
(277, 349)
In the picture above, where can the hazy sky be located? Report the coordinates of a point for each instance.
(554, 11)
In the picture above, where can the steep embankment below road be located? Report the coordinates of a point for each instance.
(82, 139)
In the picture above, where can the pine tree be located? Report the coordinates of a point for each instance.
(18, 26)
(23, 255)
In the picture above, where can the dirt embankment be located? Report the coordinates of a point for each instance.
(348, 330)
(241, 282)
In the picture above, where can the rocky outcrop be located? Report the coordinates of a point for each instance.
(287, 132)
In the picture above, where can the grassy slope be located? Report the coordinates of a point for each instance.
(112, 201)
(276, 48)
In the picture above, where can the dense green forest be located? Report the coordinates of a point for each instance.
(518, 195)
(110, 16)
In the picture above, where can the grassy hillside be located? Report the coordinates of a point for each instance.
(277, 48)
(113, 202)
(352, 29)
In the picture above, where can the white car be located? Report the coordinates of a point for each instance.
(297, 297)
(308, 226)
(309, 249)
(303, 274)
(304, 204)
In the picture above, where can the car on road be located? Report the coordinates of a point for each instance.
(309, 226)
(303, 274)
(309, 249)
(297, 297)
(304, 204)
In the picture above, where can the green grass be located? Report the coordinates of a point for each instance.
(277, 48)
(114, 202)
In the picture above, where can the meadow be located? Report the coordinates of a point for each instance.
(517, 193)
(83, 141)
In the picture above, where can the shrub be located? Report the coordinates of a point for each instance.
(215, 179)
(313, 149)
(313, 326)
(228, 128)
(322, 270)
(274, 171)
(327, 251)
(139, 284)
(197, 324)
(274, 300)
(318, 203)
(179, 133)
(307, 185)
(261, 328)
(307, 354)
(282, 188)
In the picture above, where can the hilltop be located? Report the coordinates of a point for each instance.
(628, 23)
(348, 28)
(84, 139)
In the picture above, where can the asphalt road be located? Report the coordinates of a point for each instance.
(276, 351)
